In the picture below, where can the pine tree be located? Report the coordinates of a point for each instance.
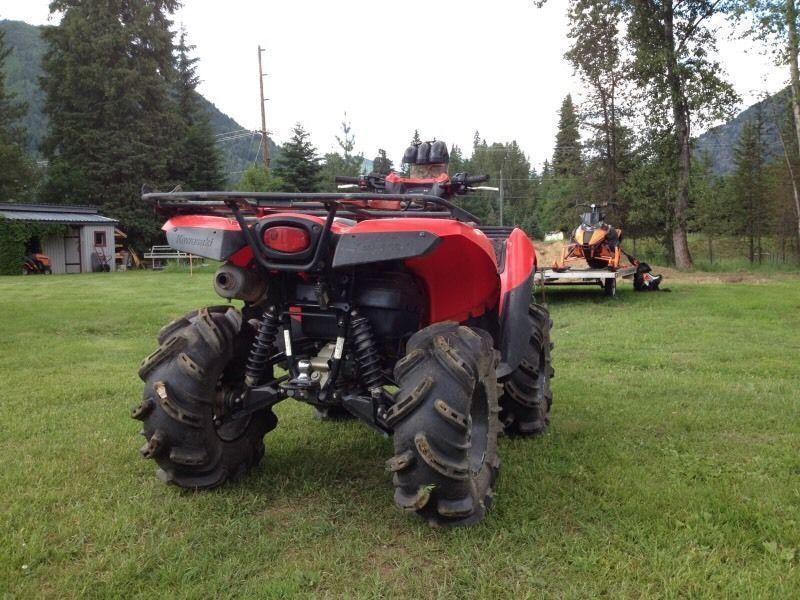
(343, 162)
(256, 179)
(567, 160)
(112, 122)
(196, 162)
(299, 164)
(416, 139)
(16, 172)
(564, 185)
(457, 161)
(382, 164)
(749, 187)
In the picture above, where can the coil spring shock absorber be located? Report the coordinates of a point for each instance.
(263, 346)
(369, 361)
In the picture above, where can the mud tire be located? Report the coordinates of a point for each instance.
(446, 425)
(527, 398)
(196, 354)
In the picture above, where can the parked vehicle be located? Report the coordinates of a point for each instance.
(597, 244)
(390, 304)
(36, 264)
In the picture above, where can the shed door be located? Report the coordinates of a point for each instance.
(72, 250)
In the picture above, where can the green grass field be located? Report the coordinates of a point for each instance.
(672, 466)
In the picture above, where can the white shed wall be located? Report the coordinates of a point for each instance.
(88, 248)
(53, 246)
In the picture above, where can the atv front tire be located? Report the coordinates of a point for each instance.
(184, 379)
(445, 425)
(525, 404)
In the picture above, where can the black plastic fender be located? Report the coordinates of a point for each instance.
(362, 248)
(515, 326)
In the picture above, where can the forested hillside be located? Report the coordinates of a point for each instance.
(23, 70)
(719, 143)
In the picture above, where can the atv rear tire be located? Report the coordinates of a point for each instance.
(445, 425)
(183, 379)
(525, 404)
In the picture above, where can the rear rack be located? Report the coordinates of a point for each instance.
(256, 203)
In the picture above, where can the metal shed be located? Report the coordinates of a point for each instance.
(87, 243)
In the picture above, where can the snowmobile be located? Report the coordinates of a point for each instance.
(597, 243)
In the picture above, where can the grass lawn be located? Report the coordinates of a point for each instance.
(672, 466)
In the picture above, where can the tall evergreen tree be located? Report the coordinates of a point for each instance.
(196, 163)
(567, 159)
(382, 164)
(299, 164)
(16, 172)
(563, 187)
(107, 95)
(749, 187)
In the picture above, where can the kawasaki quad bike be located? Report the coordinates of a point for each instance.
(390, 304)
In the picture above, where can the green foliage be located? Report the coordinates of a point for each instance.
(112, 119)
(256, 179)
(195, 164)
(749, 187)
(13, 238)
(299, 165)
(567, 158)
(382, 164)
(344, 162)
(236, 145)
(562, 182)
(16, 171)
(508, 166)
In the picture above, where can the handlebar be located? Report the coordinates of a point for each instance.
(476, 179)
(346, 179)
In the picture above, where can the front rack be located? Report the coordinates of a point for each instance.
(258, 203)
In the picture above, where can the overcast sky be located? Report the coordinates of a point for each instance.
(445, 67)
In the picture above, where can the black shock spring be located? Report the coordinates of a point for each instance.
(263, 347)
(369, 361)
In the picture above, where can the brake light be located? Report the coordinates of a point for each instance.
(287, 239)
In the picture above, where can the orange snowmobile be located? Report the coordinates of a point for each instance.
(593, 241)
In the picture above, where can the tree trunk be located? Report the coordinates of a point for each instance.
(710, 250)
(680, 117)
(794, 72)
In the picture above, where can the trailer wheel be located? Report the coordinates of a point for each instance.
(526, 400)
(445, 425)
(610, 287)
(199, 357)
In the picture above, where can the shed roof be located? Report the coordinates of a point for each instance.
(54, 213)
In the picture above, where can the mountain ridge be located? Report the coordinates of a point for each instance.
(23, 70)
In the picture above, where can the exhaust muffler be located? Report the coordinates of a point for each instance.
(236, 283)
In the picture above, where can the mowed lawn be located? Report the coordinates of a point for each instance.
(672, 466)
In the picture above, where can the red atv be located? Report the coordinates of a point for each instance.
(390, 304)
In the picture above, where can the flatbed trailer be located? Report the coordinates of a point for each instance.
(603, 277)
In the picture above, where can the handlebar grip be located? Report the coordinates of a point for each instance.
(345, 179)
(476, 179)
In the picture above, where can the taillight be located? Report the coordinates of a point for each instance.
(286, 239)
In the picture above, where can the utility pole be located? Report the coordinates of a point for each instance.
(501, 197)
(264, 143)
